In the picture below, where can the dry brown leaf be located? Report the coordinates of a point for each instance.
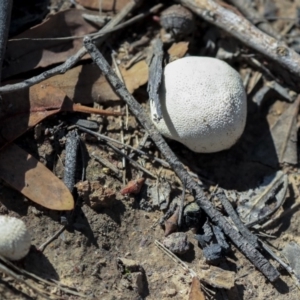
(30, 177)
(26, 55)
(195, 291)
(23, 110)
(178, 50)
(85, 84)
(106, 5)
(171, 224)
(279, 144)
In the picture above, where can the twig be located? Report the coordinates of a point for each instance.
(72, 144)
(5, 11)
(71, 61)
(19, 278)
(108, 139)
(253, 16)
(100, 33)
(237, 221)
(245, 247)
(182, 264)
(243, 30)
(37, 278)
(133, 162)
(52, 238)
(107, 164)
(181, 205)
(117, 70)
(288, 268)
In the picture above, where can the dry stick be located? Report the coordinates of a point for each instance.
(237, 221)
(37, 278)
(4, 269)
(253, 16)
(107, 164)
(71, 61)
(5, 11)
(245, 247)
(243, 30)
(138, 150)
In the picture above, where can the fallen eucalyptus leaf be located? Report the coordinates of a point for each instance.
(85, 84)
(26, 55)
(282, 137)
(255, 206)
(30, 177)
(292, 253)
(24, 109)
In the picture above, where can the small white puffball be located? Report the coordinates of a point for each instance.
(14, 238)
(204, 104)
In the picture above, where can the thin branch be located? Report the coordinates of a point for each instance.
(5, 11)
(245, 247)
(243, 30)
(253, 16)
(71, 61)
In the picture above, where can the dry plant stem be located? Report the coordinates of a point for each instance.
(107, 164)
(253, 16)
(52, 238)
(243, 30)
(71, 61)
(4, 269)
(245, 247)
(37, 278)
(106, 138)
(5, 11)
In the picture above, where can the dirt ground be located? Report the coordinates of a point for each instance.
(86, 256)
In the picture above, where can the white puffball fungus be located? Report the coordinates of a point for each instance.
(204, 104)
(14, 238)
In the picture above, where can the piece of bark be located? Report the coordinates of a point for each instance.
(155, 76)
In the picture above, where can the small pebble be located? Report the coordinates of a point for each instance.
(177, 243)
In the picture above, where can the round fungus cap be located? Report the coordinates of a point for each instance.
(14, 238)
(204, 104)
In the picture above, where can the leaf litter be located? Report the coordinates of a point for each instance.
(109, 223)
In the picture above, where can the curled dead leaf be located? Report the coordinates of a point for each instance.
(133, 187)
(26, 55)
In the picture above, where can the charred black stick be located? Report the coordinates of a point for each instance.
(245, 247)
(245, 232)
(72, 144)
(5, 11)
